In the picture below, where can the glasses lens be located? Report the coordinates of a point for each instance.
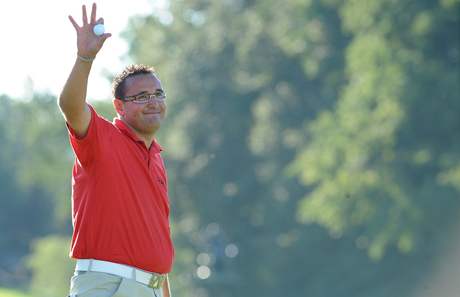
(144, 98)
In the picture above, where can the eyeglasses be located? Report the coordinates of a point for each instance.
(159, 96)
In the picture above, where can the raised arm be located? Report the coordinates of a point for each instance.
(72, 100)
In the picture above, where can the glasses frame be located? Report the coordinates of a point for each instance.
(159, 97)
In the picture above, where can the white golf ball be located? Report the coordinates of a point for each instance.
(99, 29)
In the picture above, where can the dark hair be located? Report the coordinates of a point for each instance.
(118, 84)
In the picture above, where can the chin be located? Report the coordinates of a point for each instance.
(152, 128)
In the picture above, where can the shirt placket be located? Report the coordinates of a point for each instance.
(149, 156)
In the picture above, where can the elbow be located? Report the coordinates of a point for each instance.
(64, 103)
(60, 101)
(64, 106)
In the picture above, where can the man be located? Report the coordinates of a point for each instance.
(120, 205)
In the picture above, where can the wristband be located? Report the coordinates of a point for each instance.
(85, 59)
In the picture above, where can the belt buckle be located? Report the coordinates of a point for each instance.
(156, 281)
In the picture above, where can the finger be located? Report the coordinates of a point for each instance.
(105, 36)
(93, 13)
(100, 21)
(75, 25)
(84, 16)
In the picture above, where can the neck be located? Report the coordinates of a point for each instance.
(147, 138)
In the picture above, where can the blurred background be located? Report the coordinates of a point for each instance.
(312, 146)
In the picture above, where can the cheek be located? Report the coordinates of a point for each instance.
(132, 113)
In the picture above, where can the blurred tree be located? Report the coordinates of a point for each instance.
(245, 80)
(357, 101)
(24, 210)
(35, 166)
(51, 267)
(385, 160)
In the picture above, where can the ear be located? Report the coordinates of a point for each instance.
(119, 106)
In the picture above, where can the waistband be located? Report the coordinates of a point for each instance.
(152, 280)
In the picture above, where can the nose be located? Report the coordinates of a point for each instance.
(154, 103)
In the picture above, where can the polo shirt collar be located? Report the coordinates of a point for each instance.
(129, 132)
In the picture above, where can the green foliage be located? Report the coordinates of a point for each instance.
(25, 210)
(308, 143)
(35, 167)
(33, 154)
(336, 94)
(362, 156)
(51, 267)
(11, 293)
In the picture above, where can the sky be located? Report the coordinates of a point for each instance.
(39, 44)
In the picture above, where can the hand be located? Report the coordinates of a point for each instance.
(88, 43)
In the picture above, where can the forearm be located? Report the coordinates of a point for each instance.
(72, 100)
(166, 288)
(73, 95)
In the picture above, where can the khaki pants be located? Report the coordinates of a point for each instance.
(99, 284)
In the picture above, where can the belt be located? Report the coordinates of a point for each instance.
(152, 280)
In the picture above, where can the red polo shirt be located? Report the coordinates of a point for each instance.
(120, 200)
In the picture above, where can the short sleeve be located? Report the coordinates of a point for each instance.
(86, 148)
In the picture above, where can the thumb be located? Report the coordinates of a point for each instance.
(105, 36)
